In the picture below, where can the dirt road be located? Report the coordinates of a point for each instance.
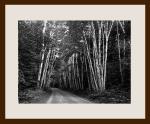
(59, 96)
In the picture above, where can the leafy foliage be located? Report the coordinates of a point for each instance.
(29, 41)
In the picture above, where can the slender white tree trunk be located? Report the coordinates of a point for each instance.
(120, 63)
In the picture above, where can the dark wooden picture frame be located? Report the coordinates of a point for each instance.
(64, 2)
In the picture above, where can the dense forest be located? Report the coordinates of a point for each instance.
(91, 59)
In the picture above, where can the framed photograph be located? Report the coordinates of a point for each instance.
(75, 61)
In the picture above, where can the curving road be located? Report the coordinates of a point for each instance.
(59, 96)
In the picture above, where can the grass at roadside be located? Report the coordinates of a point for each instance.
(111, 96)
(33, 95)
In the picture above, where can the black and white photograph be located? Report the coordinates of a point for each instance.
(74, 61)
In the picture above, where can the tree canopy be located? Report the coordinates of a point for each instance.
(73, 54)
